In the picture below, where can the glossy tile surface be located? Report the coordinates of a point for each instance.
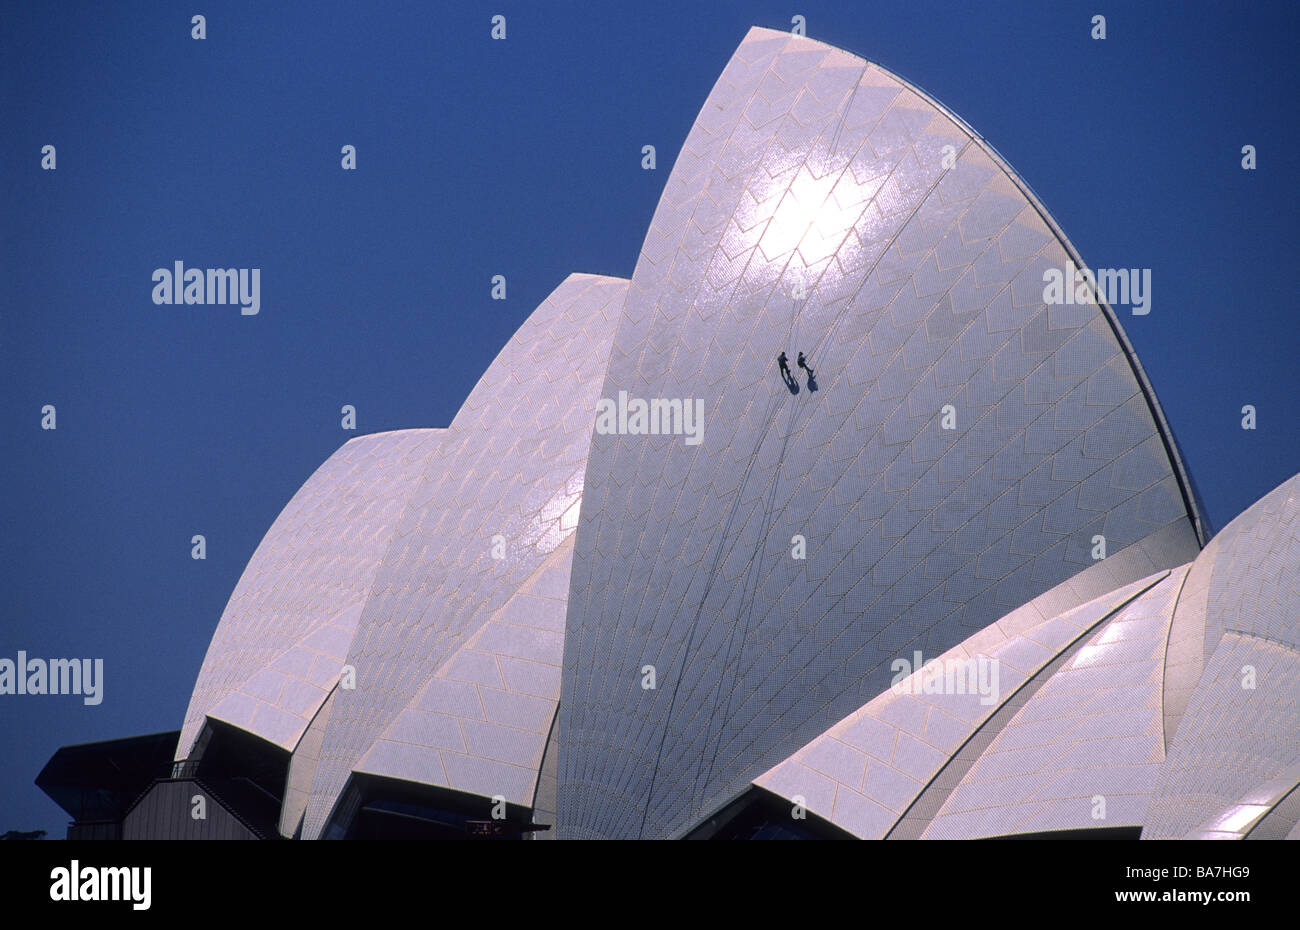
(821, 205)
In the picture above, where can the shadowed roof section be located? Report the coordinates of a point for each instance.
(822, 205)
(98, 781)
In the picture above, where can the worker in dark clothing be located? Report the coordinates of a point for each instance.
(804, 365)
(784, 364)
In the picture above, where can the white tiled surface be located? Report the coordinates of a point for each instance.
(864, 772)
(480, 724)
(512, 465)
(1093, 730)
(1233, 737)
(923, 288)
(284, 634)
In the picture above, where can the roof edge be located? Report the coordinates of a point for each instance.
(1200, 525)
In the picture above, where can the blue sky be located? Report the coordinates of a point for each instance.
(521, 158)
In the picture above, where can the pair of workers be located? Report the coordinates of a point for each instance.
(784, 363)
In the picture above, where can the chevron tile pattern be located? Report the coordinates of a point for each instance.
(624, 634)
(284, 634)
(1090, 736)
(868, 770)
(1098, 724)
(480, 724)
(444, 615)
(1270, 811)
(1238, 730)
(822, 205)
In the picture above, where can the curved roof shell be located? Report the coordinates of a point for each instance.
(506, 588)
(1236, 725)
(457, 650)
(822, 205)
(1117, 727)
(435, 563)
(283, 636)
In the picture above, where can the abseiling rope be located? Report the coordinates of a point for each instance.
(742, 616)
(695, 622)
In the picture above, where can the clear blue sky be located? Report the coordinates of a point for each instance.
(521, 158)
